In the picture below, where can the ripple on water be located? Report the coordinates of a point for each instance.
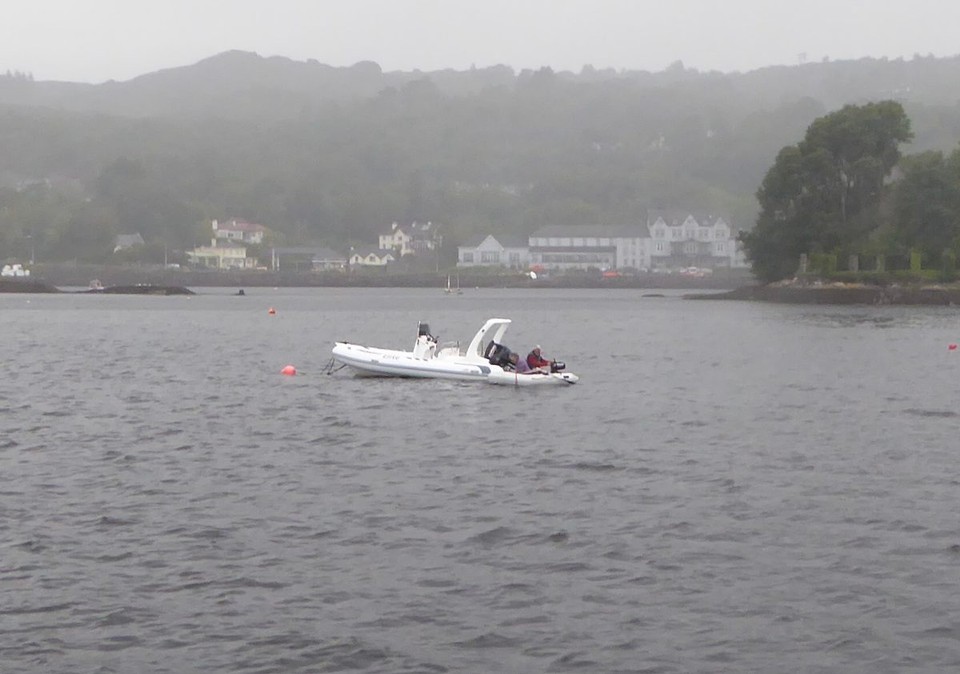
(757, 488)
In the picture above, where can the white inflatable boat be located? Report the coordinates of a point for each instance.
(485, 359)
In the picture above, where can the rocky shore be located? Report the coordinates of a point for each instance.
(26, 285)
(22, 285)
(840, 293)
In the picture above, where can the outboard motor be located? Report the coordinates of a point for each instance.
(557, 365)
(497, 354)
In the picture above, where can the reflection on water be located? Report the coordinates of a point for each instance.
(731, 487)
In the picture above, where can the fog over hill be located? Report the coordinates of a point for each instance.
(319, 152)
(213, 84)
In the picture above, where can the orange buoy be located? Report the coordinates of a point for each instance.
(272, 311)
(289, 370)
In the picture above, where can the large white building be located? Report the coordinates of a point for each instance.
(686, 240)
(665, 241)
(494, 251)
(563, 247)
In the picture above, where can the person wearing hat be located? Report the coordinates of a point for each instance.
(535, 360)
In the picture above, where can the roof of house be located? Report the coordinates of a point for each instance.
(226, 243)
(413, 229)
(366, 251)
(573, 249)
(327, 254)
(505, 240)
(128, 240)
(240, 225)
(608, 231)
(677, 218)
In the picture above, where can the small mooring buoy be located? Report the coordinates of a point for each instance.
(288, 370)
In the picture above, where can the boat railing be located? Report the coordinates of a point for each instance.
(449, 349)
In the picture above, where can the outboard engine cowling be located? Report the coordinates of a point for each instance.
(497, 354)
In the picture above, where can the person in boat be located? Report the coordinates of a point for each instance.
(535, 360)
(519, 364)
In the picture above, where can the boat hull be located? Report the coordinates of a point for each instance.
(505, 378)
(375, 362)
(387, 363)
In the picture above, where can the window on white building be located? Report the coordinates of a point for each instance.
(468, 257)
(490, 257)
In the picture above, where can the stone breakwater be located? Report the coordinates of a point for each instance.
(25, 285)
(37, 286)
(840, 293)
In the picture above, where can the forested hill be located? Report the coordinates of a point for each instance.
(335, 154)
(244, 85)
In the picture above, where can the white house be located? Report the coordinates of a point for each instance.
(410, 239)
(371, 257)
(494, 251)
(222, 254)
(685, 240)
(125, 241)
(236, 229)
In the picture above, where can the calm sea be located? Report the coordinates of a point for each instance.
(732, 487)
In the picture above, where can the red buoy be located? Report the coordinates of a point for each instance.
(289, 370)
(272, 311)
(952, 347)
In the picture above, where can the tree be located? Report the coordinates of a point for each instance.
(926, 203)
(823, 193)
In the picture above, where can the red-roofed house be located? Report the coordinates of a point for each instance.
(236, 229)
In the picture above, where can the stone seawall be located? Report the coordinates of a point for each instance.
(841, 294)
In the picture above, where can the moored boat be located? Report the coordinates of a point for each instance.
(486, 359)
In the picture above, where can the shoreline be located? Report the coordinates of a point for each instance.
(53, 279)
(840, 294)
(38, 286)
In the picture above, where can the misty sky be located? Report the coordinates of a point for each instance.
(97, 40)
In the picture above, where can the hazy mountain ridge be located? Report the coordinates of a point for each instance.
(318, 152)
(219, 85)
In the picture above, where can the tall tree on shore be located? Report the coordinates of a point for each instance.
(822, 194)
(926, 203)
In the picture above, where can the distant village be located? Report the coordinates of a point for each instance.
(667, 242)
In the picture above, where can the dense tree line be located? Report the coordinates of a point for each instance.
(477, 152)
(832, 193)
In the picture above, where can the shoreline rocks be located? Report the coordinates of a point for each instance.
(839, 293)
(24, 285)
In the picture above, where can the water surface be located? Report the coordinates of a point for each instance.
(731, 487)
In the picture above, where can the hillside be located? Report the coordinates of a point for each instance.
(317, 152)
